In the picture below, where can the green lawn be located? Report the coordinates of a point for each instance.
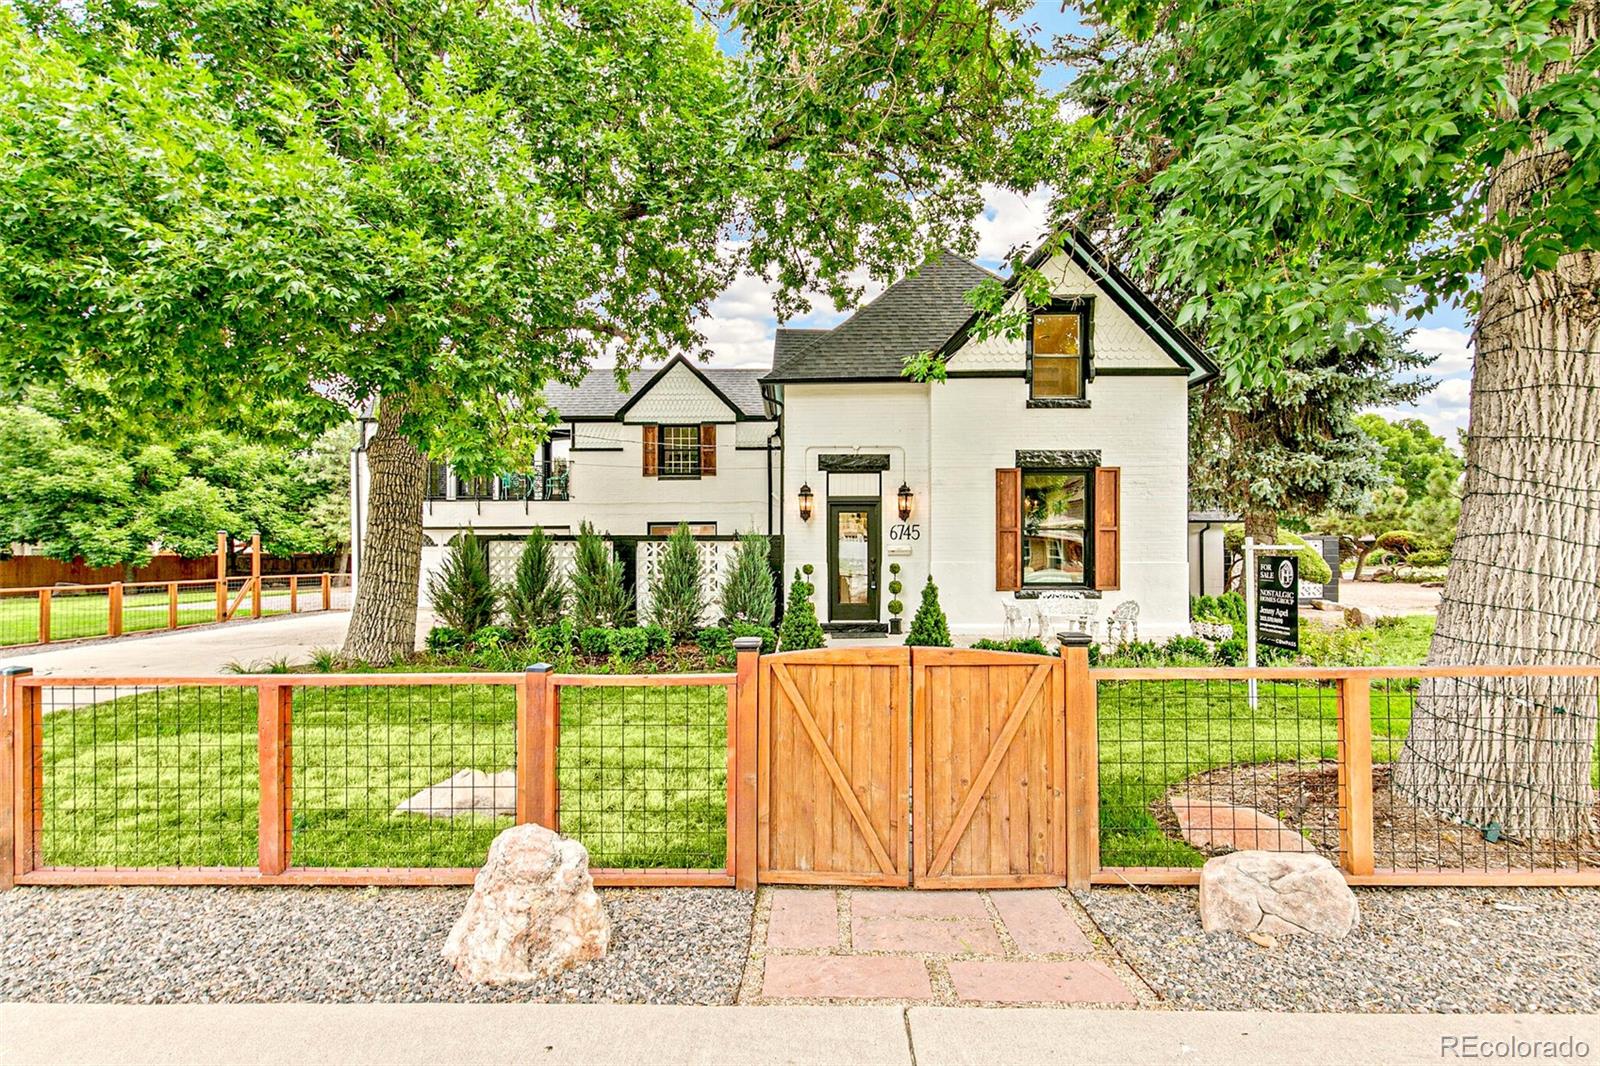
(170, 778)
(78, 615)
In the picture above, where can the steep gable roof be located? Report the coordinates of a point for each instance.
(597, 398)
(916, 314)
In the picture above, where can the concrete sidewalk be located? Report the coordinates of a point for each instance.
(433, 1033)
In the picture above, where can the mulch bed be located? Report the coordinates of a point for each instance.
(1305, 797)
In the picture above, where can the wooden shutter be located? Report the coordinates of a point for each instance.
(1108, 527)
(652, 451)
(708, 449)
(1007, 529)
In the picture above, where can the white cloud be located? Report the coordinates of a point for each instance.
(1452, 347)
(1011, 222)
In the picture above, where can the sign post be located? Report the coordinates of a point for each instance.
(1272, 601)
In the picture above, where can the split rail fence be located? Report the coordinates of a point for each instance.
(45, 614)
(929, 767)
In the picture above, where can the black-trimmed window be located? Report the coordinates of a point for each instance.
(1057, 542)
(1058, 351)
(678, 451)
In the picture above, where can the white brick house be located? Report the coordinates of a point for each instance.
(1047, 475)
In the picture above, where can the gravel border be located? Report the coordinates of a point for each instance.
(1416, 949)
(343, 945)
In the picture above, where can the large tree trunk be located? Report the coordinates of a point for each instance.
(1262, 525)
(1514, 755)
(383, 623)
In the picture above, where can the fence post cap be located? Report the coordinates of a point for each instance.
(540, 668)
(746, 643)
(1074, 640)
(15, 671)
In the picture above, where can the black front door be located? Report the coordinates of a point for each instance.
(854, 534)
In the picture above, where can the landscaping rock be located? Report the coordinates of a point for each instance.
(533, 911)
(1275, 893)
(466, 792)
(1224, 827)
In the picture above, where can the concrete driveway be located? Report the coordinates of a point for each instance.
(189, 652)
(1398, 597)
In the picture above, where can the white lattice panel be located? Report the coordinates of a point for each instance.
(503, 556)
(715, 558)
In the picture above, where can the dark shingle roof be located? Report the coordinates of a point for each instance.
(597, 395)
(916, 314)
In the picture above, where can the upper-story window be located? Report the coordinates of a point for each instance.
(680, 451)
(1058, 351)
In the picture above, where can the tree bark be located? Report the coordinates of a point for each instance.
(1262, 525)
(383, 622)
(1513, 756)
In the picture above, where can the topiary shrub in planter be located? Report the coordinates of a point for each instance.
(537, 594)
(929, 627)
(677, 600)
(747, 590)
(897, 606)
(461, 592)
(801, 630)
(599, 597)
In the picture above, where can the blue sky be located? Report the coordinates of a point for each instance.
(741, 323)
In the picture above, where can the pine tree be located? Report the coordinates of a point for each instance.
(677, 600)
(461, 592)
(598, 596)
(747, 594)
(537, 595)
(801, 630)
(929, 628)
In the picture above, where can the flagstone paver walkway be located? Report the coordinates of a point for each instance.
(857, 945)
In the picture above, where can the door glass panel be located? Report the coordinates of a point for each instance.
(852, 534)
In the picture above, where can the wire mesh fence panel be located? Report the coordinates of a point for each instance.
(1509, 785)
(77, 613)
(1189, 769)
(416, 775)
(341, 594)
(19, 616)
(197, 603)
(135, 776)
(643, 774)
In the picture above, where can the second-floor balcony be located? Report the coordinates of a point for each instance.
(544, 481)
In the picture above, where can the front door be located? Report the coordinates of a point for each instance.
(854, 532)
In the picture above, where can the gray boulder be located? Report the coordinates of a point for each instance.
(1275, 893)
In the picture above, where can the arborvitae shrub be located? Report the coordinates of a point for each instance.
(677, 601)
(537, 595)
(747, 592)
(461, 592)
(801, 630)
(929, 627)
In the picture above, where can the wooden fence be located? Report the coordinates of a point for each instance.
(44, 614)
(933, 767)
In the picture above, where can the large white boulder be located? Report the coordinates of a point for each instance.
(1275, 893)
(533, 911)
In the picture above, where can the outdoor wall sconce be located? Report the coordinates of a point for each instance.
(806, 502)
(903, 498)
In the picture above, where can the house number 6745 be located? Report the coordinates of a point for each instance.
(905, 531)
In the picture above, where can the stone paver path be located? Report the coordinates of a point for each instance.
(1032, 946)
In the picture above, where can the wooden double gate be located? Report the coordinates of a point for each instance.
(933, 767)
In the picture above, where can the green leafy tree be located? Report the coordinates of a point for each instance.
(929, 627)
(1284, 168)
(678, 597)
(273, 213)
(747, 593)
(537, 594)
(800, 629)
(1412, 453)
(461, 591)
(600, 598)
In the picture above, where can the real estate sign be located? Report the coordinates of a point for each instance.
(1278, 601)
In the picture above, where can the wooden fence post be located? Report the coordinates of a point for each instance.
(255, 575)
(44, 616)
(294, 593)
(537, 725)
(172, 605)
(114, 609)
(11, 758)
(742, 755)
(1355, 775)
(327, 592)
(222, 575)
(1083, 762)
(273, 707)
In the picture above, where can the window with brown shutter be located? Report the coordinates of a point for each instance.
(651, 444)
(1108, 527)
(708, 449)
(1007, 529)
